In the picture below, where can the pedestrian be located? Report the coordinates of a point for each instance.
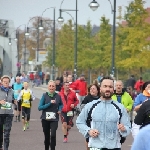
(58, 85)
(94, 94)
(51, 106)
(6, 111)
(81, 85)
(26, 96)
(17, 87)
(138, 85)
(131, 82)
(104, 121)
(123, 97)
(142, 118)
(47, 77)
(142, 97)
(69, 101)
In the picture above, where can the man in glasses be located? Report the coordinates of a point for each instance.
(69, 101)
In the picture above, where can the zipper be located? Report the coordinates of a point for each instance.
(105, 123)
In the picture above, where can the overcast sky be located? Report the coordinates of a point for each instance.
(20, 11)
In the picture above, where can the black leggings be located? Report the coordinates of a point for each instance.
(5, 120)
(49, 129)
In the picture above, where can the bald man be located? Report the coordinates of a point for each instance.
(122, 96)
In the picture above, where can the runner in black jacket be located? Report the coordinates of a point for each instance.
(143, 115)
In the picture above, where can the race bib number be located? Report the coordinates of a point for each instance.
(70, 113)
(26, 101)
(95, 149)
(50, 115)
(7, 105)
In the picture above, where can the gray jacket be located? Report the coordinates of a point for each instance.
(8, 97)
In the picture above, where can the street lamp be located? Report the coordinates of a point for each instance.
(60, 19)
(38, 34)
(18, 47)
(94, 5)
(41, 27)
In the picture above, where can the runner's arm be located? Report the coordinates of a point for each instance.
(126, 122)
(43, 106)
(139, 118)
(76, 101)
(60, 105)
(81, 122)
(32, 95)
(20, 96)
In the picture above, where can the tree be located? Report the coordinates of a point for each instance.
(104, 44)
(132, 38)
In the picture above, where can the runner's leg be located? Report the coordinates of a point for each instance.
(46, 130)
(7, 129)
(53, 126)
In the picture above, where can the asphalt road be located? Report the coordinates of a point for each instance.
(33, 139)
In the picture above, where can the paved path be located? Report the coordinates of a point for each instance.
(32, 139)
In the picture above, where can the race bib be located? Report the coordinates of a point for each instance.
(7, 105)
(26, 101)
(50, 115)
(70, 113)
(95, 149)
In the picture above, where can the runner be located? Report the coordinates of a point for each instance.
(104, 121)
(6, 111)
(51, 106)
(17, 87)
(69, 100)
(26, 96)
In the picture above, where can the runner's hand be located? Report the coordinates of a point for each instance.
(93, 133)
(2, 102)
(121, 127)
(53, 101)
(15, 102)
(59, 112)
(72, 105)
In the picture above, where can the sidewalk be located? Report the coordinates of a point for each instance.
(42, 86)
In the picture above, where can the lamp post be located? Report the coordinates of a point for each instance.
(54, 47)
(60, 19)
(38, 34)
(94, 5)
(18, 47)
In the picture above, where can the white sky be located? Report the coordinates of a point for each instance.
(20, 11)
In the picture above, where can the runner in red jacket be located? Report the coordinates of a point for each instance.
(69, 101)
(81, 86)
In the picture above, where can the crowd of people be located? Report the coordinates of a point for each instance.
(105, 116)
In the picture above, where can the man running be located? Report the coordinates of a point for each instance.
(26, 96)
(104, 121)
(69, 101)
(17, 87)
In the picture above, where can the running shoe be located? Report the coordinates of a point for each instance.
(24, 128)
(65, 140)
(27, 125)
